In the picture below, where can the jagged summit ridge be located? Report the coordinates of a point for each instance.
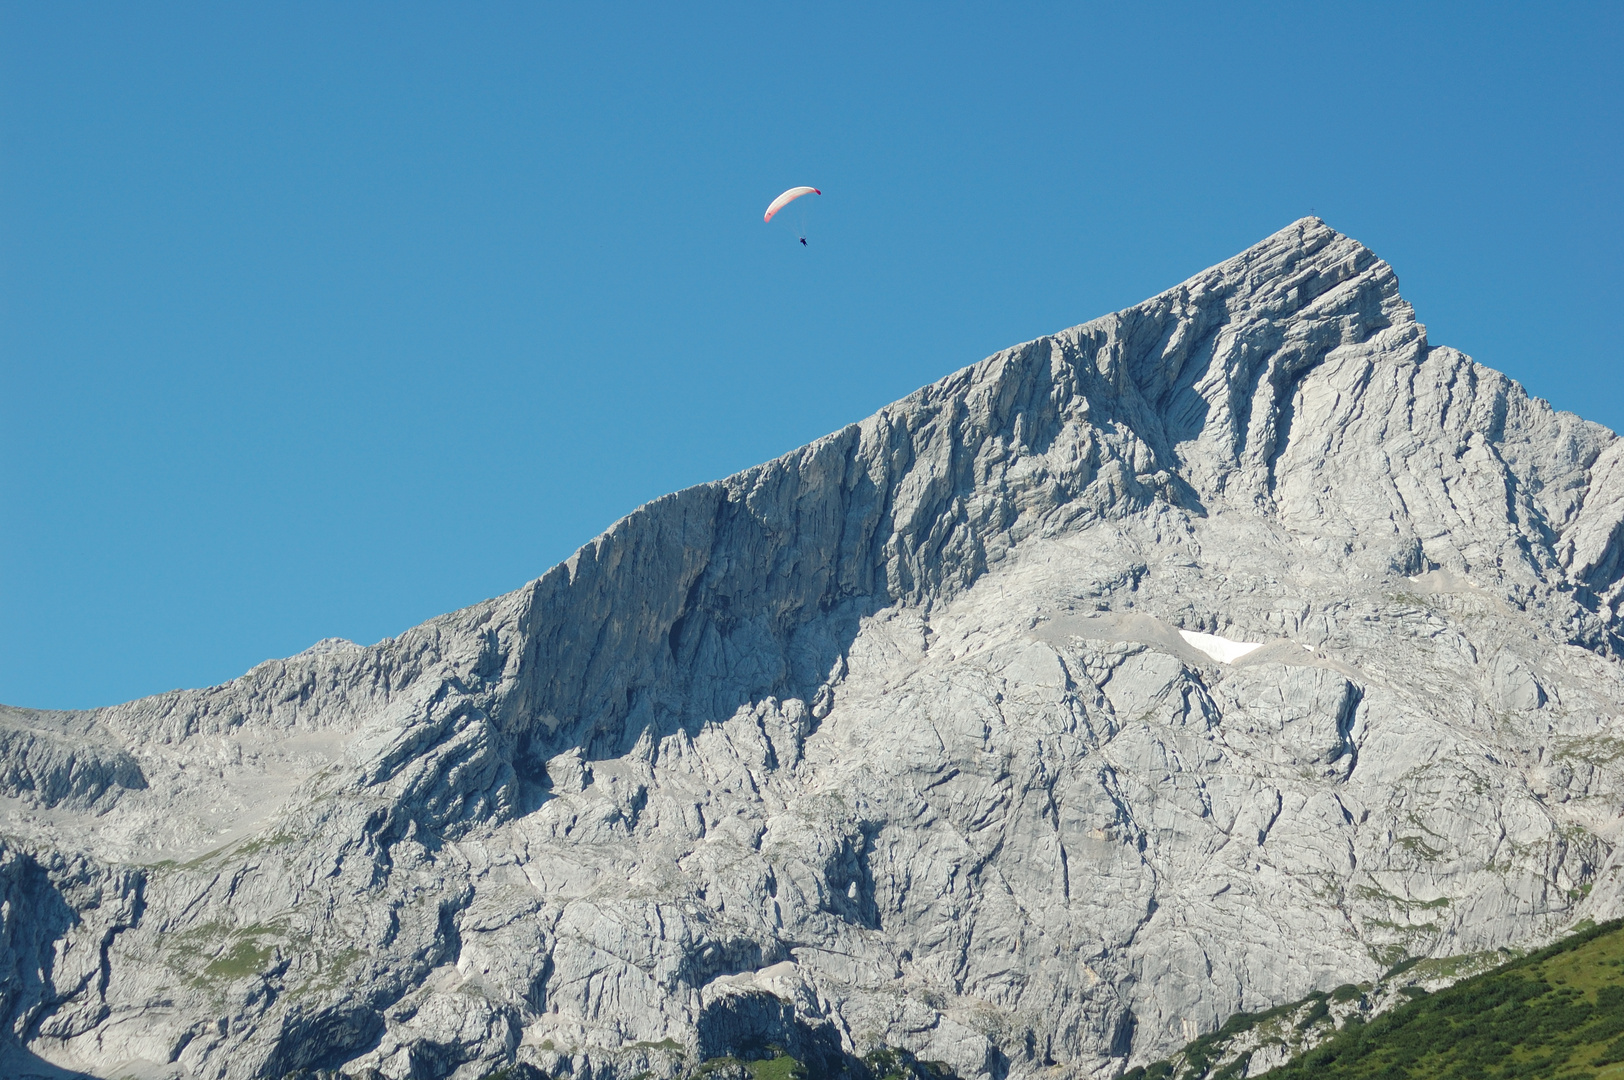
(894, 740)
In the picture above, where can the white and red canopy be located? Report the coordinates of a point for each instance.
(788, 197)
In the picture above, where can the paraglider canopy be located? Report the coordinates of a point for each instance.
(788, 197)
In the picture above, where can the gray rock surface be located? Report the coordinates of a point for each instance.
(62, 759)
(907, 738)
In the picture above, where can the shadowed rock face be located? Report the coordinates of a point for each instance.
(896, 740)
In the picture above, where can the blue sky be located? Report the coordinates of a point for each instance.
(323, 319)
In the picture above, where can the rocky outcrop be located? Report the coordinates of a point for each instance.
(52, 761)
(910, 738)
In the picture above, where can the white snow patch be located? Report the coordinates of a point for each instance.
(1221, 649)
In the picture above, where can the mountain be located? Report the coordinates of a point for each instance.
(1233, 647)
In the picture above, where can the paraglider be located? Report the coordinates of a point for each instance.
(788, 197)
(784, 200)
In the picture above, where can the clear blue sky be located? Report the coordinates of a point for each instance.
(322, 319)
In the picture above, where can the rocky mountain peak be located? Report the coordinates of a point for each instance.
(1234, 646)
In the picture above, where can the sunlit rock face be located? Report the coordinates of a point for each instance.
(941, 733)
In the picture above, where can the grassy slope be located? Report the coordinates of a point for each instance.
(1557, 1014)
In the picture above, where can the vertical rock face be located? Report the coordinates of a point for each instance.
(918, 736)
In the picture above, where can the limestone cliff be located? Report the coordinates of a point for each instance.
(937, 733)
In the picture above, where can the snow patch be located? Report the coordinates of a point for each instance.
(1221, 649)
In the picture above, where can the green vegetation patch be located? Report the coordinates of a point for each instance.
(779, 1066)
(1451, 968)
(517, 1071)
(243, 959)
(1557, 1014)
(782, 1067)
(247, 846)
(238, 952)
(1199, 1056)
(331, 970)
(1591, 749)
(888, 1063)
